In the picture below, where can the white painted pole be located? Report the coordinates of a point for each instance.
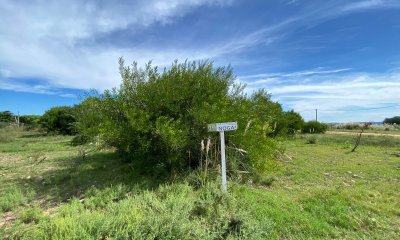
(223, 165)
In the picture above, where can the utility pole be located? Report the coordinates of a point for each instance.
(316, 115)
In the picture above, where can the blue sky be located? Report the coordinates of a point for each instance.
(341, 57)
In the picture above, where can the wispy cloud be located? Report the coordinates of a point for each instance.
(266, 77)
(9, 84)
(370, 4)
(61, 43)
(57, 41)
(335, 92)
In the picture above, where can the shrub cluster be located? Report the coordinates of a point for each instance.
(314, 127)
(160, 118)
(59, 120)
(393, 120)
(28, 121)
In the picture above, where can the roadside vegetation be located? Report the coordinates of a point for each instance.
(384, 128)
(137, 162)
(319, 191)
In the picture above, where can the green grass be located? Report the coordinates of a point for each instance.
(322, 191)
(379, 130)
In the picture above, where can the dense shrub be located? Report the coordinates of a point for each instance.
(6, 116)
(58, 120)
(30, 121)
(314, 127)
(160, 118)
(393, 120)
(292, 122)
(350, 126)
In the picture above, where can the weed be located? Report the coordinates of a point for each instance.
(30, 215)
(13, 197)
(106, 198)
(312, 139)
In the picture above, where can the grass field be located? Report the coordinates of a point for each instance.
(379, 129)
(52, 190)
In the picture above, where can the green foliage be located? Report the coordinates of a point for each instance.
(6, 116)
(30, 215)
(322, 193)
(312, 139)
(289, 123)
(314, 127)
(30, 121)
(13, 197)
(393, 120)
(160, 119)
(59, 120)
(7, 134)
(171, 212)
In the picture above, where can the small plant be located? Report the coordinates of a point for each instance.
(314, 127)
(267, 182)
(31, 215)
(312, 139)
(13, 197)
(263, 180)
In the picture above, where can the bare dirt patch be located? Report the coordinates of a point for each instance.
(7, 217)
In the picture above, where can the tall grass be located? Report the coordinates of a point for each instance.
(13, 197)
(171, 212)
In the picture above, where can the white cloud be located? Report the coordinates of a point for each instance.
(55, 40)
(369, 4)
(337, 95)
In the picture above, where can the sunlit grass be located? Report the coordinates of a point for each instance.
(323, 191)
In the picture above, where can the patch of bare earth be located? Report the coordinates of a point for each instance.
(7, 217)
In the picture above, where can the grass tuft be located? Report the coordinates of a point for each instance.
(13, 197)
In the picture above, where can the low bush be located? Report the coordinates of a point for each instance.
(30, 215)
(314, 127)
(58, 120)
(312, 139)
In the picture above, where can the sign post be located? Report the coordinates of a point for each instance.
(221, 128)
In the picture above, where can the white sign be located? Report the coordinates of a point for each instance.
(219, 127)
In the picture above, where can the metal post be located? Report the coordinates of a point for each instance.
(223, 165)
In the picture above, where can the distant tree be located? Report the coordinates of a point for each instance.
(59, 120)
(294, 121)
(286, 123)
(314, 127)
(30, 121)
(6, 116)
(393, 120)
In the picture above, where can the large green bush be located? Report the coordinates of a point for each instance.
(289, 123)
(393, 120)
(59, 120)
(314, 127)
(6, 116)
(30, 121)
(159, 119)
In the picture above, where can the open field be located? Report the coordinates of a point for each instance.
(378, 129)
(52, 190)
(354, 133)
